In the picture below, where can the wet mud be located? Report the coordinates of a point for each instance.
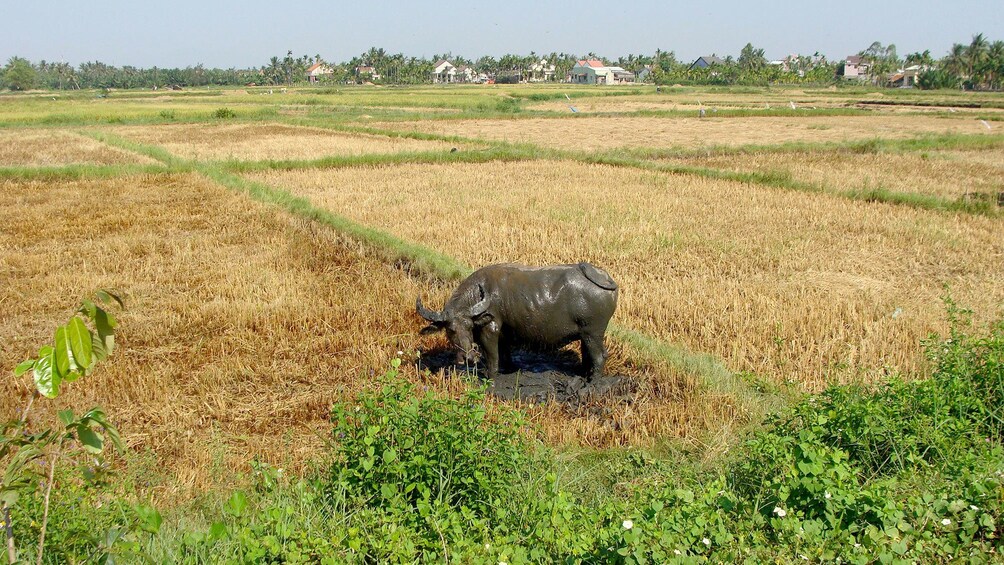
(539, 377)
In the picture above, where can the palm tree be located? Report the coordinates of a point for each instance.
(976, 53)
(995, 62)
(955, 62)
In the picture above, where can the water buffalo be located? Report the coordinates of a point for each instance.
(501, 305)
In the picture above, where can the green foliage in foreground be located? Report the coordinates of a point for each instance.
(907, 472)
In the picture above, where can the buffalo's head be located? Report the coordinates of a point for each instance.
(458, 319)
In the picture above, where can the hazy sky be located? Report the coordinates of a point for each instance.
(247, 33)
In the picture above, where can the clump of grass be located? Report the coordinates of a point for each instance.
(224, 114)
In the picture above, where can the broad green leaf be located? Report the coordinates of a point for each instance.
(237, 503)
(66, 416)
(46, 380)
(150, 518)
(88, 308)
(8, 498)
(79, 337)
(98, 349)
(23, 367)
(92, 440)
(217, 531)
(106, 297)
(96, 414)
(105, 324)
(62, 352)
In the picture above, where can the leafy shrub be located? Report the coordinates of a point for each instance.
(90, 524)
(906, 472)
(397, 448)
(224, 114)
(909, 468)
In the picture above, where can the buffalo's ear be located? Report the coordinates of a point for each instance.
(482, 319)
(431, 329)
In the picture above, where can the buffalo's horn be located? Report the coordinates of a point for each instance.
(434, 317)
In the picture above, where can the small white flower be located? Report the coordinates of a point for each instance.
(706, 542)
(827, 496)
(973, 507)
(400, 352)
(628, 524)
(857, 545)
(677, 552)
(780, 512)
(946, 522)
(488, 546)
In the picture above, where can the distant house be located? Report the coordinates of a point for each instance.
(587, 71)
(541, 71)
(592, 71)
(317, 70)
(705, 62)
(466, 74)
(854, 67)
(645, 74)
(444, 72)
(907, 78)
(367, 72)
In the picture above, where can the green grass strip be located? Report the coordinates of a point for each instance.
(490, 154)
(754, 401)
(77, 172)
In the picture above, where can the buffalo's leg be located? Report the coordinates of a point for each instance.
(594, 356)
(489, 339)
(505, 354)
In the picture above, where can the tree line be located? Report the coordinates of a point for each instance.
(976, 65)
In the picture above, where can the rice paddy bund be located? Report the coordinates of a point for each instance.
(804, 287)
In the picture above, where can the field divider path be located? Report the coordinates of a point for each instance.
(711, 371)
(78, 171)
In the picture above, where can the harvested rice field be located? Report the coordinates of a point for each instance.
(596, 134)
(801, 287)
(54, 147)
(950, 176)
(259, 142)
(249, 313)
(243, 324)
